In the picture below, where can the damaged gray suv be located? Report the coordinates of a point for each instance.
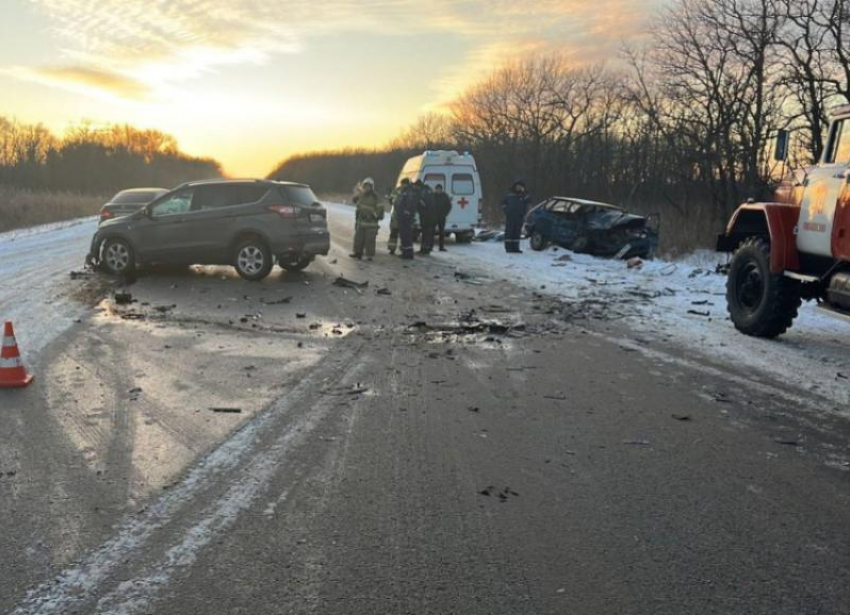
(247, 224)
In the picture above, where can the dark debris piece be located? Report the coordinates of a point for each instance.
(346, 283)
(787, 442)
(283, 301)
(352, 390)
(123, 298)
(504, 494)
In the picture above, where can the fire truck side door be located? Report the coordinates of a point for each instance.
(824, 186)
(841, 229)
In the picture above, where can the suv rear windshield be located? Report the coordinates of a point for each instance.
(123, 198)
(300, 195)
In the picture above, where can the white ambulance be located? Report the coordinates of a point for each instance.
(459, 177)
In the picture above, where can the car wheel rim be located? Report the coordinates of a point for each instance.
(251, 260)
(750, 287)
(117, 256)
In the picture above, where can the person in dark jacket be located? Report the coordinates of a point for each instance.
(427, 220)
(392, 244)
(442, 209)
(515, 206)
(406, 207)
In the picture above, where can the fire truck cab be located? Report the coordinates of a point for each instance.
(795, 248)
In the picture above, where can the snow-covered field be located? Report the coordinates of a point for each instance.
(682, 303)
(34, 272)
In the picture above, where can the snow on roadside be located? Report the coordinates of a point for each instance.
(682, 302)
(34, 280)
(29, 231)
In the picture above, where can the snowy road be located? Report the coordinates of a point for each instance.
(34, 290)
(449, 439)
(680, 304)
(683, 303)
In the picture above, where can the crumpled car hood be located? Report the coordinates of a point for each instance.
(608, 220)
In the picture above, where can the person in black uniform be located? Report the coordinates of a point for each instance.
(515, 206)
(392, 244)
(406, 207)
(442, 209)
(426, 217)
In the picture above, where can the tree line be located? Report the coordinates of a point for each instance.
(90, 160)
(683, 124)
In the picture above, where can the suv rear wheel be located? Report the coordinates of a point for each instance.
(253, 259)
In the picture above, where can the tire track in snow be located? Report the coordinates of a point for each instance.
(169, 535)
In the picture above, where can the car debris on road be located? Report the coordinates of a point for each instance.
(346, 283)
(122, 298)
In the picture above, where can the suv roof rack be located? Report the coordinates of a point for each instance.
(234, 180)
(221, 180)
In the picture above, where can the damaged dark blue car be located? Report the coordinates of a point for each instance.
(592, 228)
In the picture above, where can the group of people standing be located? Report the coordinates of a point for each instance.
(412, 199)
(409, 200)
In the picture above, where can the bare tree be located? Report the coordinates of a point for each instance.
(809, 64)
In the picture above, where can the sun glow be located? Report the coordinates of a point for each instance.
(251, 81)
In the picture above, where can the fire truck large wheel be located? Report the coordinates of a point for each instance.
(761, 303)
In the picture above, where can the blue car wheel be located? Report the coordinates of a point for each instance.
(538, 241)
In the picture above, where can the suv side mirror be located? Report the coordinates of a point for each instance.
(780, 152)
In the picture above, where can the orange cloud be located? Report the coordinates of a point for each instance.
(84, 79)
(127, 48)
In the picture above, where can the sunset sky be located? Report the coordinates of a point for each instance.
(252, 81)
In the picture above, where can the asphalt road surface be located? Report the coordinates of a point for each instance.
(433, 443)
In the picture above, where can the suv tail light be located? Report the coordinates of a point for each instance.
(284, 211)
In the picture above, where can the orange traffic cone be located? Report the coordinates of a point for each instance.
(12, 371)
